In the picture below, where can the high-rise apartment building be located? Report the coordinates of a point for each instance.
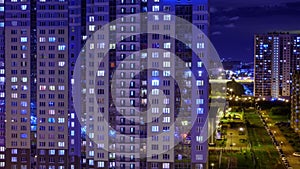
(276, 57)
(295, 101)
(133, 112)
(38, 48)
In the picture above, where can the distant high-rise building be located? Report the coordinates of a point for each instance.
(295, 102)
(40, 43)
(276, 57)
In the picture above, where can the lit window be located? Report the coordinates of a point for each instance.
(61, 87)
(155, 8)
(14, 151)
(51, 112)
(112, 27)
(166, 73)
(91, 28)
(167, 45)
(200, 110)
(101, 164)
(167, 54)
(156, 17)
(167, 17)
(199, 157)
(23, 7)
(14, 79)
(91, 153)
(13, 159)
(42, 39)
(61, 152)
(23, 39)
(155, 128)
(155, 82)
(155, 73)
(92, 19)
(61, 47)
(61, 64)
(199, 101)
(51, 39)
(166, 119)
(43, 87)
(92, 46)
(52, 152)
(24, 79)
(23, 135)
(166, 110)
(2, 79)
(155, 55)
(52, 88)
(166, 64)
(1, 8)
(166, 165)
(61, 144)
(61, 120)
(14, 95)
(200, 82)
(199, 64)
(200, 45)
(166, 101)
(100, 73)
(199, 139)
(51, 120)
(155, 92)
(199, 73)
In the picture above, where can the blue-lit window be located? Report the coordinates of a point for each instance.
(51, 39)
(23, 47)
(51, 120)
(1, 24)
(52, 152)
(24, 104)
(51, 104)
(200, 110)
(1, 8)
(132, 10)
(23, 111)
(23, 135)
(155, 73)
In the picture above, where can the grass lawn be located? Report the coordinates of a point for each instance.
(278, 118)
(265, 153)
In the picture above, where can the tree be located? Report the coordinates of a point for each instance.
(237, 89)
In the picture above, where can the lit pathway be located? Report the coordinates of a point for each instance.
(286, 147)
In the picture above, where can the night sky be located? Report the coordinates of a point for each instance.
(234, 23)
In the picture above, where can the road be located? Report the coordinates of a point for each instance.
(286, 147)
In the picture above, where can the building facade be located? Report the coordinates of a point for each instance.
(122, 120)
(295, 101)
(276, 57)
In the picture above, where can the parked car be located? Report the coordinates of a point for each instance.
(297, 154)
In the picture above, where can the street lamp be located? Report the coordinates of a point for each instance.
(212, 165)
(231, 140)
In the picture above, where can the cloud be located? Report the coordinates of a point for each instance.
(216, 33)
(231, 25)
(234, 18)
